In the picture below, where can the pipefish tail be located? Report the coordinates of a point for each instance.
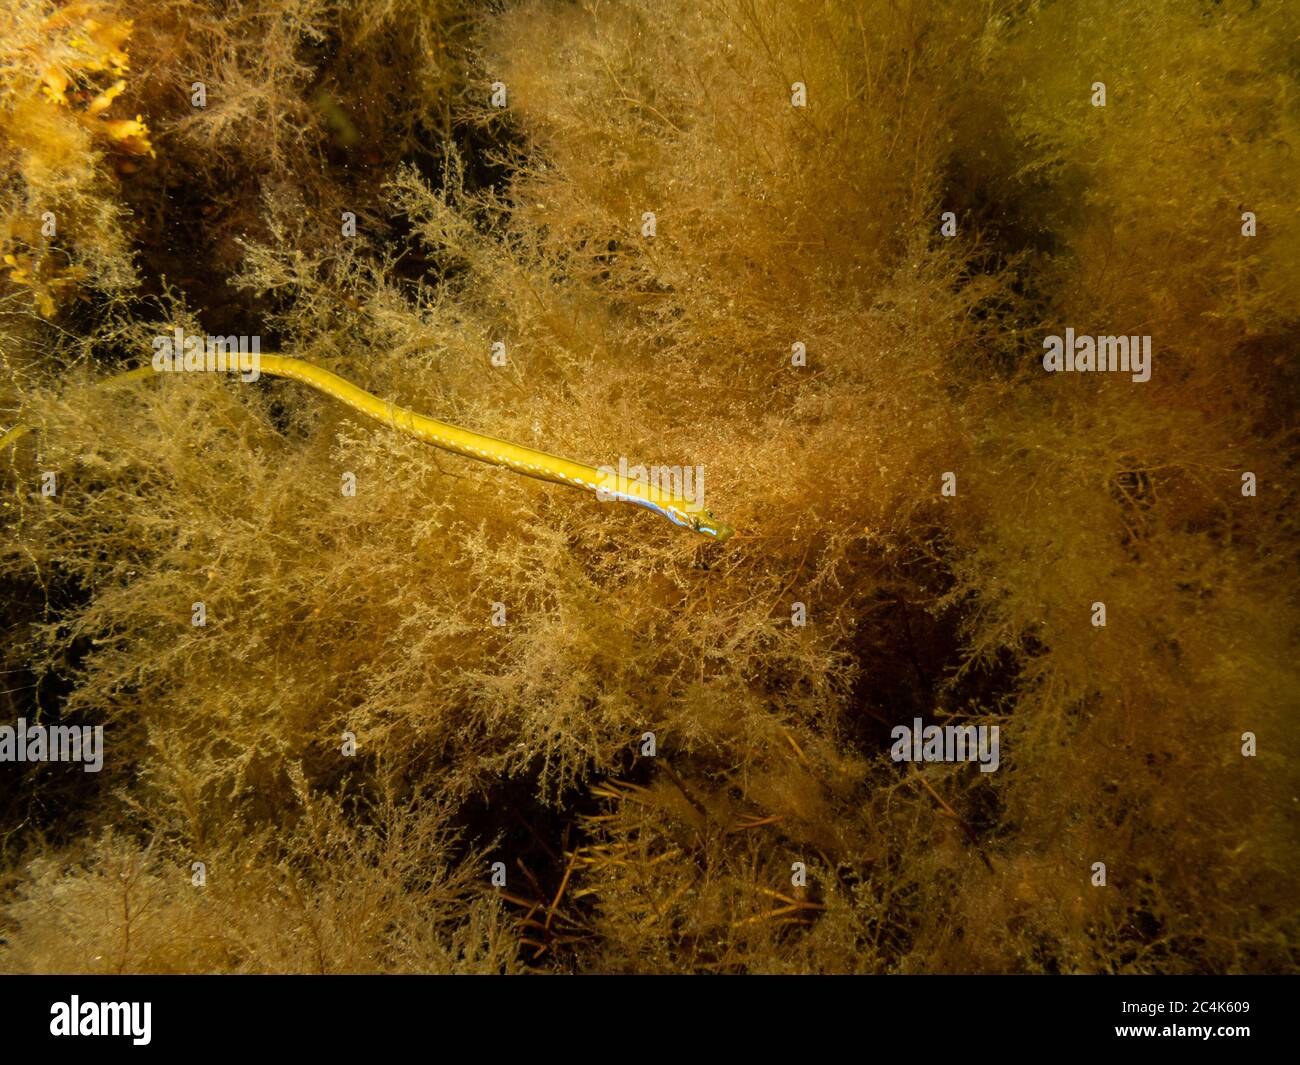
(524, 460)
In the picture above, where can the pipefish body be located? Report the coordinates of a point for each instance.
(525, 460)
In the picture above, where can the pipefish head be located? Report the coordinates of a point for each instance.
(710, 524)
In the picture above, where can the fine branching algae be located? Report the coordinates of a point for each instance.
(976, 321)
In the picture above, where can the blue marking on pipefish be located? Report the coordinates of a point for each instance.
(670, 514)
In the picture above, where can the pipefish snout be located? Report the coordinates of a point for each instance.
(528, 461)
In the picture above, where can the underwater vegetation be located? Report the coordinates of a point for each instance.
(859, 274)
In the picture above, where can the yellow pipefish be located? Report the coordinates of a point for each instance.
(528, 461)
